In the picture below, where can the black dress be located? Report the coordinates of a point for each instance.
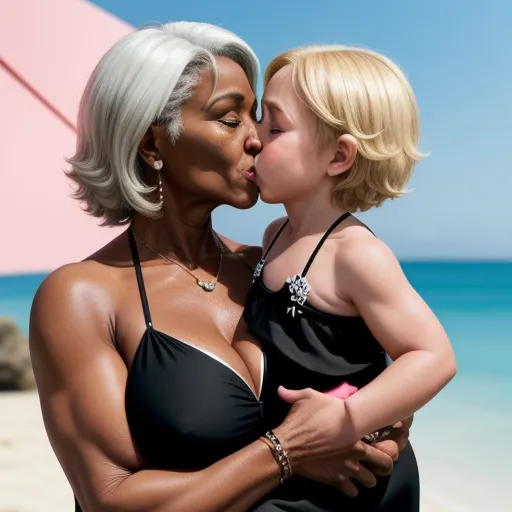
(306, 347)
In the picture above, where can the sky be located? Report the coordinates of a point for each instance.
(458, 57)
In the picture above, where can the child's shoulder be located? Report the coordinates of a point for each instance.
(360, 254)
(271, 231)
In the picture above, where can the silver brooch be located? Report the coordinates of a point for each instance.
(258, 269)
(299, 290)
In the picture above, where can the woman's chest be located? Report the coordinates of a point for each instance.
(209, 321)
(195, 375)
(186, 407)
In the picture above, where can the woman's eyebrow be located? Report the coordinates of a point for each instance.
(238, 97)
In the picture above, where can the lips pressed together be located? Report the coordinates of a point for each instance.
(249, 173)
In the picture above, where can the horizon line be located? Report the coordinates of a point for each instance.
(401, 260)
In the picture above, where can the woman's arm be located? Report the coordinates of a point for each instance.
(81, 380)
(369, 275)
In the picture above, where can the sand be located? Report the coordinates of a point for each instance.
(31, 479)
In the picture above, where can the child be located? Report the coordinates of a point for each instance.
(340, 133)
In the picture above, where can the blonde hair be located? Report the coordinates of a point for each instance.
(144, 78)
(362, 93)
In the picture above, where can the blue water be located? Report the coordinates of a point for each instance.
(463, 435)
(16, 295)
(473, 300)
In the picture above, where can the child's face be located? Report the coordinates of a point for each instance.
(291, 164)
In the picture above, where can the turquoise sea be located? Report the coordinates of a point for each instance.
(473, 300)
(462, 438)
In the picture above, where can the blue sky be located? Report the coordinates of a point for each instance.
(458, 56)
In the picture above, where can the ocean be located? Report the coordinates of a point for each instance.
(463, 438)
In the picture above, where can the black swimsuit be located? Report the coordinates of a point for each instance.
(306, 347)
(187, 409)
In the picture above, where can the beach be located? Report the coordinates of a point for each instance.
(437, 135)
(31, 479)
(461, 439)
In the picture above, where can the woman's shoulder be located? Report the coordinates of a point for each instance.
(84, 292)
(95, 274)
(74, 288)
(72, 316)
(82, 278)
(249, 254)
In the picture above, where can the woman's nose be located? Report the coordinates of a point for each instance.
(253, 142)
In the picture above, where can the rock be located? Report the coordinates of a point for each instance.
(15, 366)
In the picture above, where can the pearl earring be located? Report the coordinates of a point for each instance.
(158, 165)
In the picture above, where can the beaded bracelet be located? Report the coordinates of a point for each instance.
(377, 436)
(280, 455)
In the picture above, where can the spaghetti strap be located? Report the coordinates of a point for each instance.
(277, 235)
(140, 280)
(334, 225)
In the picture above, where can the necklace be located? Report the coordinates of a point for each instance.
(207, 286)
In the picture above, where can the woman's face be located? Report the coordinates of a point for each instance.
(291, 164)
(213, 158)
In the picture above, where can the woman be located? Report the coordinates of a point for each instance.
(154, 394)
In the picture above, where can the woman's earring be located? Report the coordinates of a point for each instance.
(158, 165)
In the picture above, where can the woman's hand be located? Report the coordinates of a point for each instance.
(393, 444)
(399, 434)
(320, 448)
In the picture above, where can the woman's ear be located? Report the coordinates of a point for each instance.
(148, 147)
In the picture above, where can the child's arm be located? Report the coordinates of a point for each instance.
(369, 275)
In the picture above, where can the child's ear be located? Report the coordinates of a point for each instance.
(344, 156)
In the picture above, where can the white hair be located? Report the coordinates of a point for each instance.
(143, 79)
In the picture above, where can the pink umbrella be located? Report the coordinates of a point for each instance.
(47, 51)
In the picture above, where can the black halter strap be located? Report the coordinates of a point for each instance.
(140, 280)
(275, 239)
(334, 225)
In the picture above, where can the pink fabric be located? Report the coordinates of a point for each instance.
(53, 46)
(343, 391)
